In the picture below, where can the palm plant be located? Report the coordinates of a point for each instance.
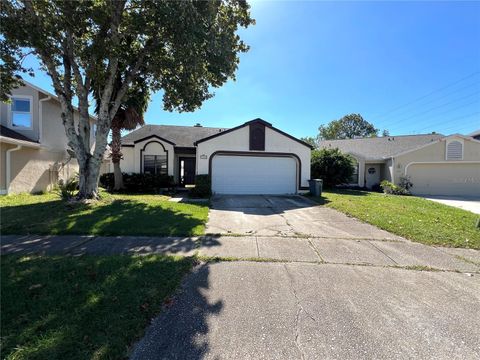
(128, 117)
(125, 119)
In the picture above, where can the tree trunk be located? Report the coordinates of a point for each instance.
(89, 173)
(117, 176)
(116, 155)
(89, 164)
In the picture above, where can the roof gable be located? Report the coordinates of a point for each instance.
(154, 136)
(381, 147)
(258, 121)
(180, 136)
(49, 94)
(445, 138)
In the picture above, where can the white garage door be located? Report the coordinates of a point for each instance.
(445, 179)
(253, 175)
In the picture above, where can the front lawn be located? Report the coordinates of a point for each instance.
(89, 307)
(414, 218)
(150, 215)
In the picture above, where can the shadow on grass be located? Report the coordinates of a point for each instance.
(117, 217)
(181, 332)
(96, 307)
(321, 200)
(352, 192)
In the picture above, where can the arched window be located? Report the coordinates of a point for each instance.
(454, 150)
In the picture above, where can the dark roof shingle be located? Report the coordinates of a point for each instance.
(181, 136)
(4, 131)
(380, 147)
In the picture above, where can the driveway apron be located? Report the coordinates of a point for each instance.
(285, 216)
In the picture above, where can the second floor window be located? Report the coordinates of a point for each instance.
(21, 112)
(155, 164)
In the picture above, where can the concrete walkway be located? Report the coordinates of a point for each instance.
(390, 253)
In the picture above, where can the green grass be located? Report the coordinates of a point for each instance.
(89, 307)
(150, 215)
(417, 219)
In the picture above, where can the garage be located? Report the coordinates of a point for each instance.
(254, 174)
(448, 178)
(254, 158)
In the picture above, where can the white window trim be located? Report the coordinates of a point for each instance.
(446, 148)
(10, 113)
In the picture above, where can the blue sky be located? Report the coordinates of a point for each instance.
(409, 67)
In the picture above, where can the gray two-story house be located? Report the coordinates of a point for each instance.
(33, 144)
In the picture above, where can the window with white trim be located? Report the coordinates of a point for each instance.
(354, 178)
(155, 164)
(21, 112)
(454, 150)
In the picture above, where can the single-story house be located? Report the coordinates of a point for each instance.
(434, 163)
(475, 134)
(253, 158)
(33, 143)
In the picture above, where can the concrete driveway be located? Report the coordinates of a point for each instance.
(284, 216)
(469, 203)
(324, 286)
(248, 310)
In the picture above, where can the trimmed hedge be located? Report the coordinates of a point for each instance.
(138, 183)
(203, 187)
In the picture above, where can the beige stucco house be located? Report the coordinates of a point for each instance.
(253, 158)
(33, 144)
(435, 164)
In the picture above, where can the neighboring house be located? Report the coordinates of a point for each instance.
(253, 158)
(33, 143)
(435, 164)
(475, 134)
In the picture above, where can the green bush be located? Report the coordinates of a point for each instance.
(332, 166)
(392, 189)
(405, 183)
(203, 187)
(138, 183)
(66, 189)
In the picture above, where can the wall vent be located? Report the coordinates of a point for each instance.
(454, 150)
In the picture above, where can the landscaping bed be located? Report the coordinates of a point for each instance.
(118, 214)
(88, 307)
(414, 218)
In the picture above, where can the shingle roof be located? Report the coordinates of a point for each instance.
(181, 136)
(380, 147)
(4, 131)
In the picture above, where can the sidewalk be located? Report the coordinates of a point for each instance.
(389, 253)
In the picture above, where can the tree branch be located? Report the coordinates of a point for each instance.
(113, 63)
(64, 93)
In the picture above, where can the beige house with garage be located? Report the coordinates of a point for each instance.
(252, 158)
(434, 163)
(33, 144)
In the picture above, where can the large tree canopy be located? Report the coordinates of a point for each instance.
(184, 48)
(310, 140)
(347, 127)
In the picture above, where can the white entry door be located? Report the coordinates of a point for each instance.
(372, 175)
(253, 175)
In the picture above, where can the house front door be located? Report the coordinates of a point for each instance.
(187, 170)
(372, 175)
